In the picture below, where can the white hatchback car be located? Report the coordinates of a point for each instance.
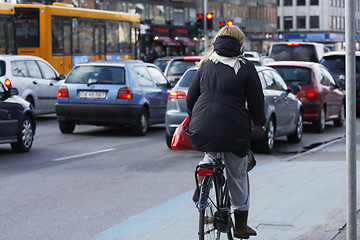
(36, 80)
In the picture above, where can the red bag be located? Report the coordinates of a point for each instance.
(180, 141)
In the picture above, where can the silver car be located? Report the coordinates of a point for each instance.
(36, 80)
(282, 108)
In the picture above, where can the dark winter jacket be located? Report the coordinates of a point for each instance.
(216, 103)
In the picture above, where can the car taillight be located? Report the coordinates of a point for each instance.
(205, 172)
(125, 93)
(175, 95)
(311, 94)
(8, 83)
(293, 44)
(63, 92)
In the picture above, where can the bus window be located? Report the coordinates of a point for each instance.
(112, 37)
(75, 36)
(67, 35)
(27, 28)
(86, 36)
(57, 35)
(124, 37)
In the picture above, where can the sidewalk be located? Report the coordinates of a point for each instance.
(301, 198)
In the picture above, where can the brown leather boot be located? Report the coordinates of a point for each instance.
(242, 230)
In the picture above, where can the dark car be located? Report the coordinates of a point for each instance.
(335, 63)
(17, 120)
(113, 93)
(297, 51)
(282, 108)
(178, 65)
(320, 95)
(163, 62)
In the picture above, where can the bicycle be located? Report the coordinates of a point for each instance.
(214, 202)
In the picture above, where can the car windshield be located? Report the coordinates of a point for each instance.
(336, 64)
(178, 67)
(295, 75)
(97, 75)
(2, 68)
(186, 78)
(295, 52)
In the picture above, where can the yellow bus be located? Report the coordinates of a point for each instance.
(7, 34)
(64, 35)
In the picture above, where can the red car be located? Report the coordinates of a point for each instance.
(323, 100)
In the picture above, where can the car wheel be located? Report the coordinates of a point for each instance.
(141, 126)
(267, 143)
(168, 139)
(319, 125)
(67, 126)
(340, 121)
(25, 136)
(297, 135)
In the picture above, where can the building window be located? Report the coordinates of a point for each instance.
(288, 22)
(287, 2)
(301, 22)
(179, 17)
(301, 2)
(314, 2)
(314, 21)
(331, 22)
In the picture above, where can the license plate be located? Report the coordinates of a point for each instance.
(92, 94)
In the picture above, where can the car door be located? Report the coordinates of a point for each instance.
(162, 83)
(39, 86)
(277, 98)
(333, 96)
(52, 83)
(149, 91)
(290, 103)
(8, 117)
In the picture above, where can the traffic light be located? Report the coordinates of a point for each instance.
(221, 24)
(229, 23)
(200, 22)
(209, 21)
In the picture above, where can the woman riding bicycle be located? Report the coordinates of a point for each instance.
(224, 93)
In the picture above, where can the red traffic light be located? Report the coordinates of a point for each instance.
(229, 23)
(200, 16)
(209, 16)
(222, 23)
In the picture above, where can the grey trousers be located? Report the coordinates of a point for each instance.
(236, 177)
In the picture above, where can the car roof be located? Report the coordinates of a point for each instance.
(339, 53)
(119, 62)
(22, 57)
(187, 57)
(260, 68)
(292, 63)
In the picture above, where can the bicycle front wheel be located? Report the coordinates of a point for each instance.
(207, 229)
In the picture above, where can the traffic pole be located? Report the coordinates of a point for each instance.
(350, 118)
(206, 42)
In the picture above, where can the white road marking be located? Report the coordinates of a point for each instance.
(84, 154)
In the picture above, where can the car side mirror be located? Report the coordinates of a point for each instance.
(295, 89)
(62, 77)
(13, 91)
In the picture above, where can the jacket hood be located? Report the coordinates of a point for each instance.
(227, 46)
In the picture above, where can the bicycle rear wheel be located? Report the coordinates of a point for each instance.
(207, 229)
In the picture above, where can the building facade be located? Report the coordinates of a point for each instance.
(257, 19)
(169, 26)
(315, 20)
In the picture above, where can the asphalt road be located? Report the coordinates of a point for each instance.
(76, 186)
